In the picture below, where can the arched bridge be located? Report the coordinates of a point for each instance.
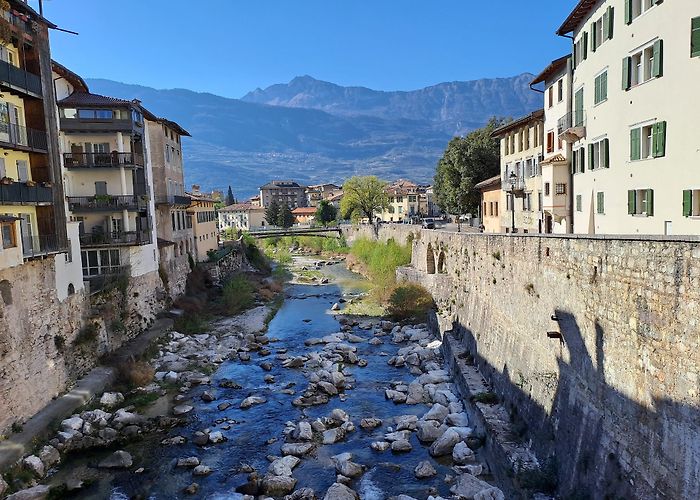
(324, 232)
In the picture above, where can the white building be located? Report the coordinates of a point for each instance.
(633, 130)
(241, 217)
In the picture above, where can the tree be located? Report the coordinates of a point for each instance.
(272, 213)
(285, 217)
(325, 212)
(466, 162)
(230, 200)
(363, 196)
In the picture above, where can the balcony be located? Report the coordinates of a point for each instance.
(122, 238)
(516, 187)
(102, 160)
(107, 203)
(96, 126)
(572, 126)
(173, 199)
(17, 79)
(21, 193)
(22, 138)
(39, 246)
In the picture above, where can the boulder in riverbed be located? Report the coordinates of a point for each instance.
(120, 459)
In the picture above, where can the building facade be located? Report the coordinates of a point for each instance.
(407, 200)
(318, 192)
(241, 217)
(202, 210)
(636, 64)
(288, 193)
(304, 215)
(521, 143)
(490, 204)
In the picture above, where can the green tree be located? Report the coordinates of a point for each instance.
(363, 196)
(230, 200)
(272, 213)
(285, 217)
(326, 212)
(466, 162)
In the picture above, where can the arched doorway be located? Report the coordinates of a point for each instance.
(430, 260)
(441, 263)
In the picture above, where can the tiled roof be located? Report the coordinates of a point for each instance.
(200, 197)
(579, 14)
(534, 116)
(89, 99)
(237, 207)
(281, 185)
(304, 211)
(553, 68)
(557, 158)
(490, 182)
(175, 126)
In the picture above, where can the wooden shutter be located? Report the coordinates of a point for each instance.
(650, 202)
(626, 73)
(687, 203)
(591, 166)
(573, 163)
(635, 143)
(582, 159)
(574, 56)
(604, 86)
(631, 202)
(605, 153)
(601, 203)
(695, 37)
(609, 23)
(593, 37)
(606, 25)
(628, 11)
(658, 146)
(584, 45)
(578, 108)
(658, 68)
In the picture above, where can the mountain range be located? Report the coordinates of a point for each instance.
(314, 131)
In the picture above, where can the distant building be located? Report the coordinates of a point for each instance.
(304, 215)
(490, 200)
(241, 216)
(335, 197)
(204, 223)
(318, 192)
(406, 200)
(288, 193)
(255, 201)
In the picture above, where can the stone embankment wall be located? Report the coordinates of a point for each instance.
(615, 400)
(223, 269)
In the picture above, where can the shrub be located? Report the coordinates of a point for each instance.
(409, 301)
(163, 273)
(238, 295)
(87, 334)
(381, 260)
(488, 398)
(190, 324)
(135, 373)
(254, 255)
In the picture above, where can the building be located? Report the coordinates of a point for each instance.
(334, 198)
(490, 204)
(241, 217)
(108, 179)
(636, 64)
(318, 192)
(521, 178)
(255, 200)
(556, 171)
(288, 193)
(405, 200)
(304, 215)
(202, 210)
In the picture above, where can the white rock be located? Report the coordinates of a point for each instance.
(303, 432)
(445, 443)
(462, 453)
(36, 493)
(72, 424)
(202, 470)
(424, 469)
(380, 445)
(339, 491)
(331, 436)
(438, 412)
(188, 462)
(34, 464)
(216, 437)
(49, 456)
(283, 466)
(118, 460)
(252, 400)
(401, 446)
(111, 399)
(468, 487)
(458, 419)
(182, 409)
(492, 493)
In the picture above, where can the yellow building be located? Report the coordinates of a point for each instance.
(490, 204)
(406, 200)
(204, 224)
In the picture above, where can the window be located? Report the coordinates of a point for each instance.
(136, 117)
(579, 203)
(495, 209)
(643, 65)
(581, 49)
(635, 8)
(527, 202)
(578, 108)
(96, 262)
(550, 96)
(691, 203)
(95, 114)
(599, 154)
(602, 29)
(484, 210)
(695, 37)
(601, 87)
(640, 202)
(648, 141)
(560, 90)
(547, 188)
(509, 202)
(9, 239)
(600, 202)
(560, 188)
(167, 153)
(539, 201)
(550, 141)
(578, 164)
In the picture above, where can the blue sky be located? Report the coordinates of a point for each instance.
(229, 47)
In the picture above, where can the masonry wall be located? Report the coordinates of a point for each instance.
(616, 399)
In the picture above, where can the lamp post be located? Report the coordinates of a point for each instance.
(512, 178)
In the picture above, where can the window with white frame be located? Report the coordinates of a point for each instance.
(640, 202)
(599, 154)
(635, 8)
(691, 203)
(579, 203)
(648, 141)
(643, 65)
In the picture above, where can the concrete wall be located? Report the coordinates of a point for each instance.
(617, 399)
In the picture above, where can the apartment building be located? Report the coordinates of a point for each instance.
(490, 204)
(318, 192)
(241, 217)
(288, 193)
(557, 216)
(108, 179)
(173, 223)
(33, 220)
(407, 200)
(304, 215)
(636, 64)
(522, 144)
(202, 210)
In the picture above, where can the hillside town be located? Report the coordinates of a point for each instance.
(135, 303)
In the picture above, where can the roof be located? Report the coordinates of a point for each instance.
(577, 16)
(281, 184)
(321, 186)
(534, 116)
(200, 197)
(175, 126)
(334, 196)
(557, 158)
(402, 186)
(74, 79)
(489, 183)
(238, 207)
(102, 101)
(304, 211)
(553, 68)
(26, 9)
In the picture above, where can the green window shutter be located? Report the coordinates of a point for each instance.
(604, 86)
(631, 202)
(584, 45)
(659, 139)
(596, 90)
(628, 11)
(573, 62)
(635, 143)
(695, 37)
(590, 157)
(606, 153)
(601, 203)
(650, 202)
(606, 25)
(626, 73)
(687, 202)
(578, 203)
(573, 162)
(610, 23)
(593, 37)
(658, 68)
(582, 159)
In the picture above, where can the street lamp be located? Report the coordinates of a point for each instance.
(512, 178)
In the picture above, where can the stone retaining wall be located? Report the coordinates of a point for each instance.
(609, 387)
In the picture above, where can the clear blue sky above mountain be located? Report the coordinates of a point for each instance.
(229, 47)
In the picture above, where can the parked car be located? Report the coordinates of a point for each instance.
(428, 224)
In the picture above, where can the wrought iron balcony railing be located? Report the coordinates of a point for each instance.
(107, 203)
(102, 160)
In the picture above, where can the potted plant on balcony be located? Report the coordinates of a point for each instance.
(101, 199)
(30, 183)
(7, 180)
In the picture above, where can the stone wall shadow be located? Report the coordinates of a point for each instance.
(602, 443)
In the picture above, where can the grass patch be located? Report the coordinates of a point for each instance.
(190, 324)
(488, 398)
(409, 301)
(314, 244)
(238, 295)
(380, 261)
(135, 373)
(142, 400)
